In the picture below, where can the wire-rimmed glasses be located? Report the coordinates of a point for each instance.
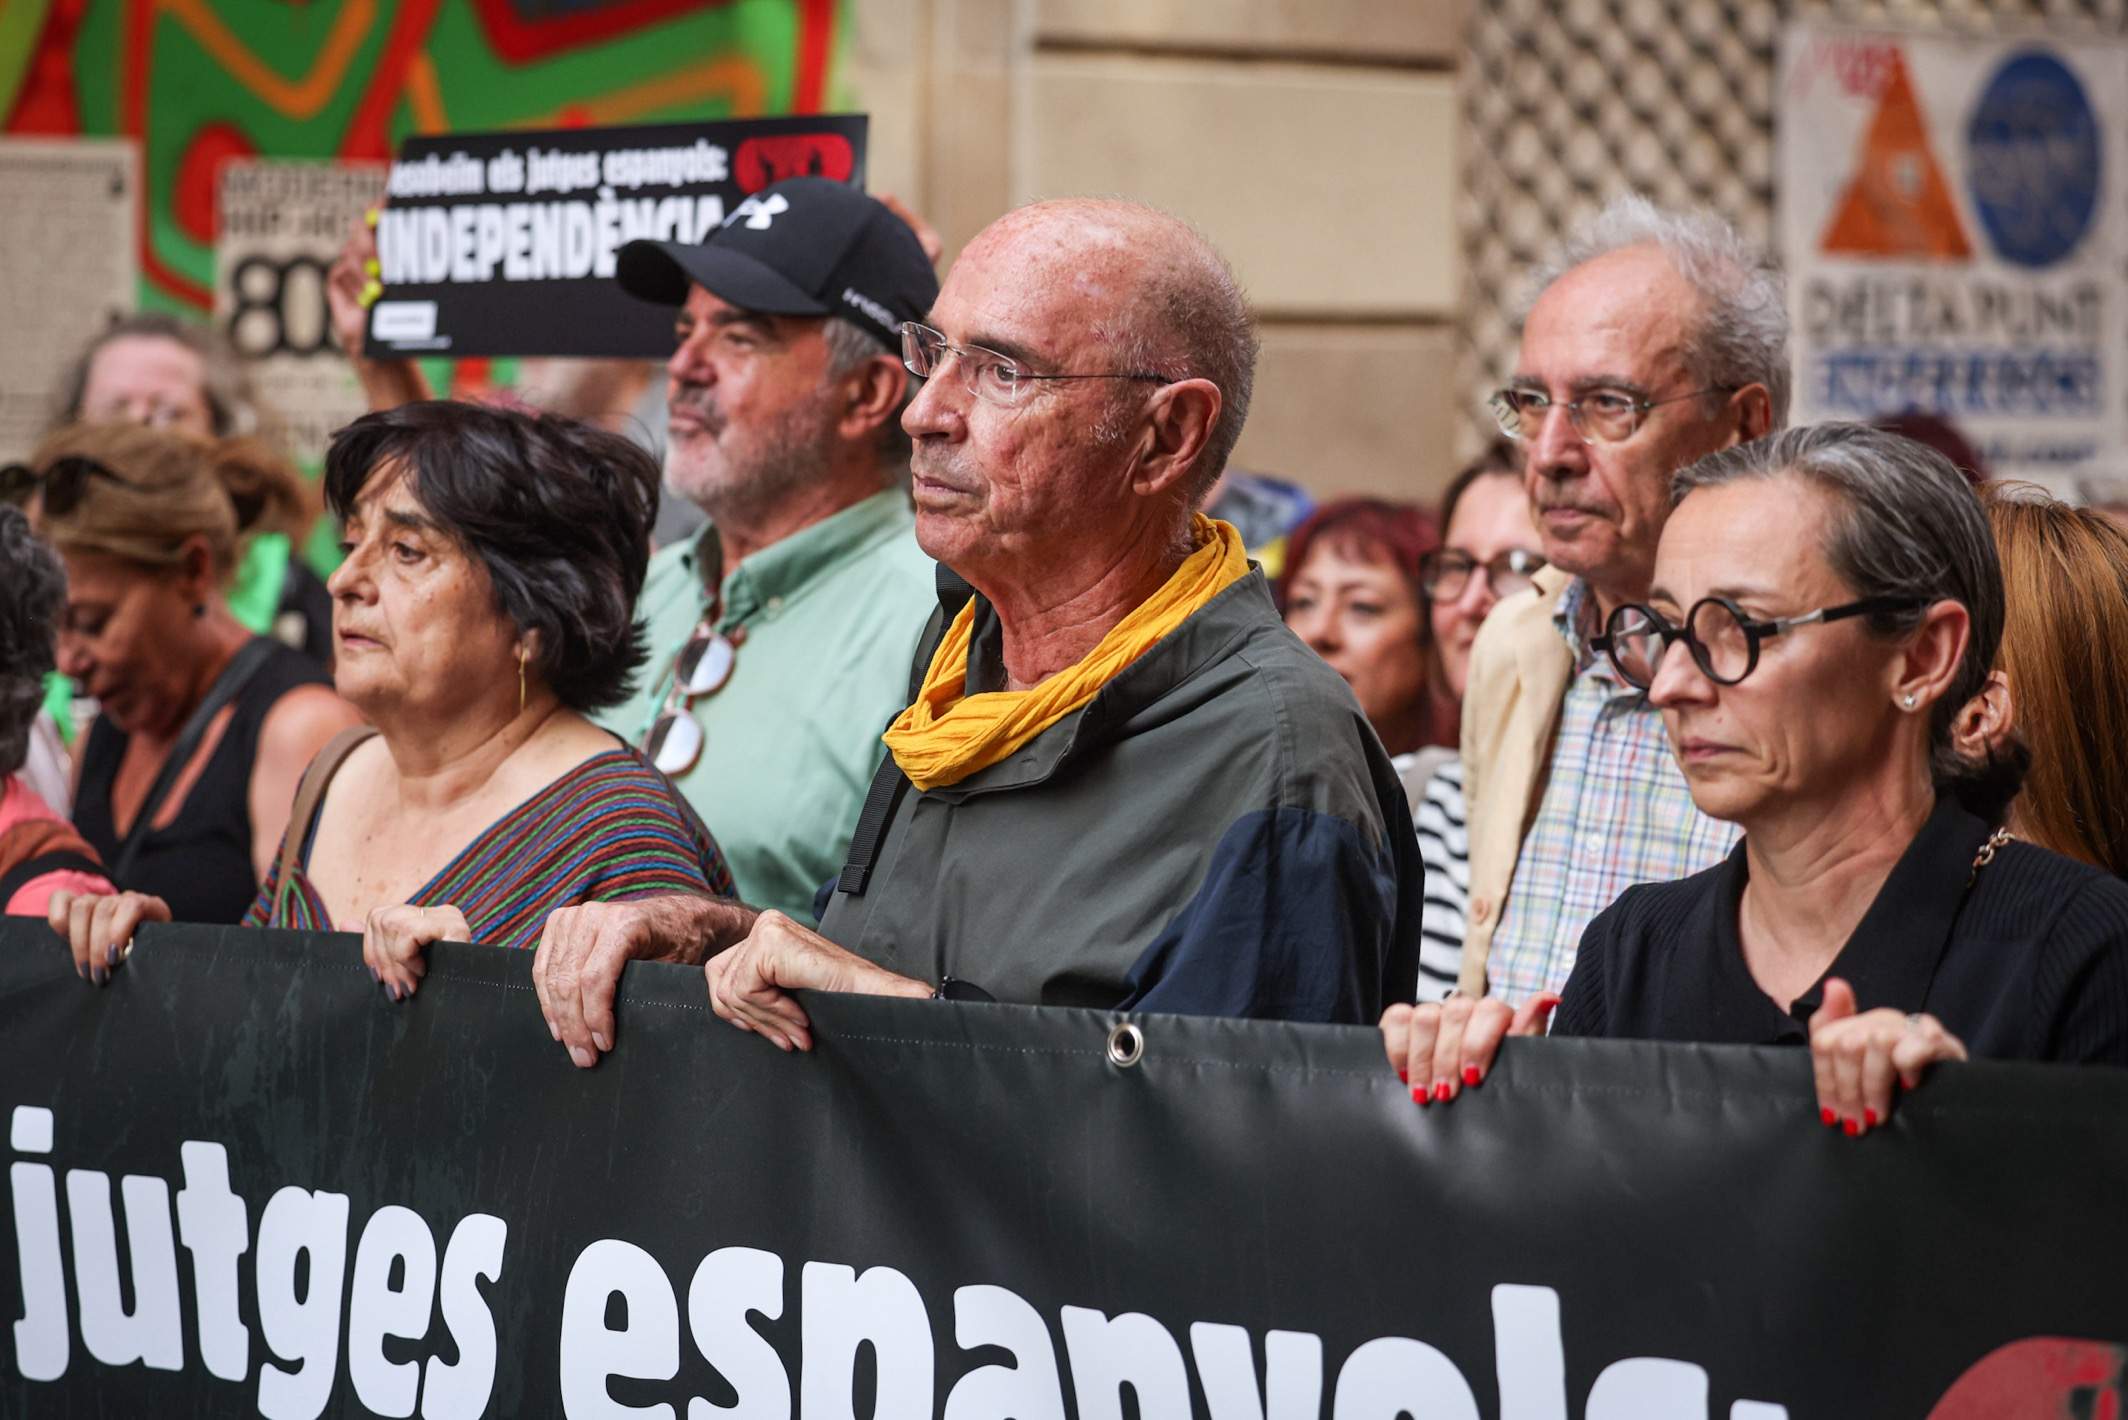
(1445, 572)
(988, 375)
(1608, 416)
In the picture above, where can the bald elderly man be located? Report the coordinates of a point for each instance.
(1121, 782)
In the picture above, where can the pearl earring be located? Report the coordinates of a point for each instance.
(1909, 701)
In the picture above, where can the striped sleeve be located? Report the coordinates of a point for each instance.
(610, 831)
(1444, 846)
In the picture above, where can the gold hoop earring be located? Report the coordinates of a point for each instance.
(520, 680)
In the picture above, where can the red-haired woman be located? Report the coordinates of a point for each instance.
(1352, 591)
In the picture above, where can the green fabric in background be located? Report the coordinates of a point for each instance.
(255, 594)
(59, 704)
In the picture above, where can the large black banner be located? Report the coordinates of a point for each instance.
(503, 243)
(241, 1181)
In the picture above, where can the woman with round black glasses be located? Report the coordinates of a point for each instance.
(1824, 603)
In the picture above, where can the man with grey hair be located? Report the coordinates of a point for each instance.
(780, 636)
(1122, 783)
(1655, 337)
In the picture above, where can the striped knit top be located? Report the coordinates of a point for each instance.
(609, 830)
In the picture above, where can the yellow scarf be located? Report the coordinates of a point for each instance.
(948, 734)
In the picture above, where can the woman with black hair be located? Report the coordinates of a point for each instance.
(485, 605)
(40, 853)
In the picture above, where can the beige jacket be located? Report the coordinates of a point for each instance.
(1519, 670)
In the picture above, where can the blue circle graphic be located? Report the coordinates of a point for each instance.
(2032, 159)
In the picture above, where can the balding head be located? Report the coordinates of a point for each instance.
(1156, 295)
(1120, 358)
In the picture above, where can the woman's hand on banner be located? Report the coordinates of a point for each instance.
(1856, 1057)
(395, 940)
(98, 927)
(1440, 1048)
(750, 984)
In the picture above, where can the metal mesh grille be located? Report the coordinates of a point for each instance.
(1568, 102)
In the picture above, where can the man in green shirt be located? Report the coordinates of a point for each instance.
(781, 637)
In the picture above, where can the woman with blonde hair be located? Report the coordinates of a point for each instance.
(2065, 655)
(184, 779)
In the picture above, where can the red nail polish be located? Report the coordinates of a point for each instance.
(1829, 1118)
(1869, 1117)
(1418, 1095)
(1404, 1076)
(1471, 1075)
(1851, 1127)
(1440, 1090)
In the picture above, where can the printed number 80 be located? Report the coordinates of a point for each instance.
(280, 307)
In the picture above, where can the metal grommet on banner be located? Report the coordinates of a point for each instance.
(1126, 1045)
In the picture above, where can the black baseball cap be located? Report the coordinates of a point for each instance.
(806, 246)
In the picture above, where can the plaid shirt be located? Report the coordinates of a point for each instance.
(1616, 812)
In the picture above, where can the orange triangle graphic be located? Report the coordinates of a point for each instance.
(1897, 203)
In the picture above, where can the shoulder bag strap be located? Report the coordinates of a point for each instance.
(309, 794)
(227, 686)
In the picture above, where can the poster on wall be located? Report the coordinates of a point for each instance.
(503, 243)
(67, 228)
(1952, 220)
(279, 226)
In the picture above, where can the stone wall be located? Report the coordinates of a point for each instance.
(1313, 140)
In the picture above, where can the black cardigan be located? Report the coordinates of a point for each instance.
(2030, 963)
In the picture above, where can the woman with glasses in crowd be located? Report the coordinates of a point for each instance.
(486, 604)
(1825, 603)
(156, 369)
(202, 729)
(1489, 551)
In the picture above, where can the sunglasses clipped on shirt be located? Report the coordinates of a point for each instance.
(702, 668)
(64, 482)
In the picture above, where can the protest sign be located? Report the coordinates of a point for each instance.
(503, 243)
(242, 1180)
(279, 227)
(68, 227)
(1950, 214)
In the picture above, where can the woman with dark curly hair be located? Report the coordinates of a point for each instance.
(486, 604)
(40, 853)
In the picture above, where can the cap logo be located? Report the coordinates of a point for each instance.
(759, 212)
(870, 307)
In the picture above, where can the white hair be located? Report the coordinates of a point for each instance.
(1742, 335)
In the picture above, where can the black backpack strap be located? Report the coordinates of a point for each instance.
(888, 782)
(888, 785)
(60, 860)
(227, 686)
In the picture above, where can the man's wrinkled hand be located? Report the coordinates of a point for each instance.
(750, 984)
(581, 953)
